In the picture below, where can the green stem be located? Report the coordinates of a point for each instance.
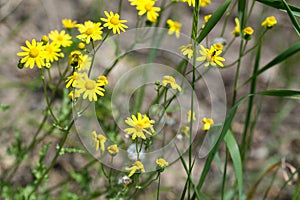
(224, 174)
(158, 187)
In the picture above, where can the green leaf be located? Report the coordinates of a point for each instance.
(292, 17)
(236, 159)
(4, 107)
(216, 16)
(281, 93)
(279, 5)
(281, 57)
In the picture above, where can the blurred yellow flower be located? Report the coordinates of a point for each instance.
(248, 31)
(208, 122)
(174, 27)
(204, 3)
(89, 31)
(68, 23)
(73, 79)
(191, 116)
(102, 80)
(147, 6)
(139, 124)
(269, 22)
(113, 22)
(75, 58)
(162, 162)
(185, 130)
(171, 80)
(190, 2)
(137, 166)
(236, 31)
(187, 50)
(218, 46)
(33, 54)
(113, 149)
(99, 140)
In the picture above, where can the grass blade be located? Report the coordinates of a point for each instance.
(279, 5)
(292, 17)
(241, 13)
(281, 57)
(216, 16)
(281, 93)
(236, 159)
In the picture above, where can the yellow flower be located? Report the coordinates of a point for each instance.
(62, 38)
(102, 80)
(206, 18)
(68, 23)
(190, 2)
(211, 56)
(208, 122)
(204, 3)
(45, 39)
(73, 94)
(89, 88)
(137, 166)
(185, 130)
(75, 58)
(99, 141)
(113, 149)
(218, 46)
(73, 79)
(84, 63)
(52, 52)
(89, 31)
(269, 22)
(162, 162)
(190, 117)
(33, 54)
(174, 27)
(147, 6)
(81, 45)
(187, 50)
(248, 31)
(236, 31)
(139, 126)
(171, 80)
(113, 22)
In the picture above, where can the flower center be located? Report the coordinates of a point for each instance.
(49, 49)
(60, 38)
(89, 85)
(148, 6)
(177, 25)
(139, 127)
(34, 52)
(114, 20)
(89, 31)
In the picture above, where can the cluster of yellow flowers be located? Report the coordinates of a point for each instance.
(100, 140)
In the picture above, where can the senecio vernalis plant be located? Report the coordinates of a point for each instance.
(70, 54)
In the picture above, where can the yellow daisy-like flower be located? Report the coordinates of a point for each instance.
(52, 52)
(248, 32)
(73, 94)
(208, 122)
(33, 54)
(174, 27)
(89, 88)
(204, 3)
(113, 22)
(139, 124)
(60, 38)
(81, 45)
(137, 166)
(185, 130)
(84, 63)
(218, 46)
(45, 39)
(99, 140)
(162, 162)
(113, 149)
(191, 116)
(102, 80)
(190, 2)
(147, 6)
(269, 22)
(68, 23)
(211, 56)
(75, 58)
(73, 79)
(187, 50)
(171, 80)
(236, 31)
(89, 31)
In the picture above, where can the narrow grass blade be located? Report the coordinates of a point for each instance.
(292, 17)
(216, 16)
(281, 57)
(241, 13)
(236, 159)
(279, 5)
(281, 93)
